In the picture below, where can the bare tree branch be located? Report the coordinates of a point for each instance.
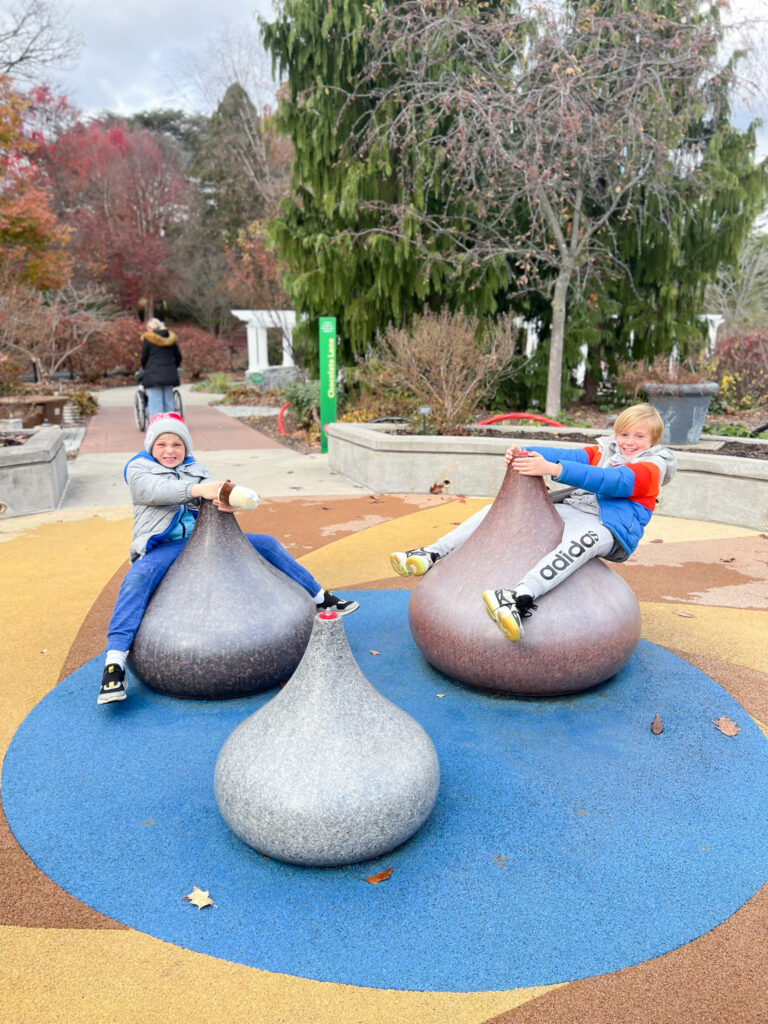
(34, 35)
(525, 133)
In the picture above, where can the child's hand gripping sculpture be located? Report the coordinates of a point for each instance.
(226, 496)
(236, 497)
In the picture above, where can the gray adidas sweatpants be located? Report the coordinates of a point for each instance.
(584, 537)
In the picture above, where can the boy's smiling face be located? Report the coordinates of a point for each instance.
(634, 439)
(169, 450)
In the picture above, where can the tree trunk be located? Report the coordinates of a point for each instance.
(555, 374)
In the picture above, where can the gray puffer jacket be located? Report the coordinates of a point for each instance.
(160, 496)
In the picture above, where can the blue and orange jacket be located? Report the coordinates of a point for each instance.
(626, 493)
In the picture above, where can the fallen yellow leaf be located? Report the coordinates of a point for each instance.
(199, 899)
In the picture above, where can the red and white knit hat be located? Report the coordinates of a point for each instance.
(167, 423)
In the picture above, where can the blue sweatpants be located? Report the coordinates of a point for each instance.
(146, 574)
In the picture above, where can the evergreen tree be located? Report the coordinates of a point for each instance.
(670, 250)
(327, 230)
(231, 166)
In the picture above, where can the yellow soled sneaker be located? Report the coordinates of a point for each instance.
(415, 562)
(508, 610)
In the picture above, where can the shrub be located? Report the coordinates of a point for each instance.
(201, 352)
(304, 399)
(115, 346)
(741, 365)
(242, 395)
(452, 362)
(11, 373)
(85, 403)
(663, 370)
(218, 382)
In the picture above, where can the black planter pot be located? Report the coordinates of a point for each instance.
(682, 407)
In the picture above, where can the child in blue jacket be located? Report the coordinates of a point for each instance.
(167, 483)
(615, 485)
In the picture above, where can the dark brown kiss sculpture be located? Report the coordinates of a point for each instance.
(223, 623)
(583, 631)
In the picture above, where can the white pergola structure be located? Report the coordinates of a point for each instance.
(257, 321)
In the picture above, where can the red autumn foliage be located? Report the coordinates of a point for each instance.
(203, 353)
(743, 360)
(254, 280)
(117, 345)
(122, 189)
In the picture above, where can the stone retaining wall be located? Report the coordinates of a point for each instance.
(33, 476)
(714, 488)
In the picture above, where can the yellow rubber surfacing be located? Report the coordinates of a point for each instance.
(53, 571)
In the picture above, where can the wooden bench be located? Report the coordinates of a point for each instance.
(33, 409)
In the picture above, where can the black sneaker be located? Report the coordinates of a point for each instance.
(331, 603)
(112, 685)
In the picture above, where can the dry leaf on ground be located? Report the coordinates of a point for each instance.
(726, 725)
(683, 615)
(381, 877)
(657, 726)
(199, 898)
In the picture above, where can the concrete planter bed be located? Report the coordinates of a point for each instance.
(33, 475)
(715, 488)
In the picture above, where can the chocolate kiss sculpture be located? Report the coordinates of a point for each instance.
(329, 772)
(583, 631)
(224, 622)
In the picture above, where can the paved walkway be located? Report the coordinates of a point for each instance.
(113, 428)
(702, 589)
(228, 448)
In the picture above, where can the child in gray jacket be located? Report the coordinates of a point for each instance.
(167, 483)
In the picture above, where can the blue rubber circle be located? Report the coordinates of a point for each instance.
(567, 840)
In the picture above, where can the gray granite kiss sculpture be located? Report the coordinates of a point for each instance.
(329, 772)
(582, 633)
(223, 622)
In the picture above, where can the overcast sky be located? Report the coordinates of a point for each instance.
(143, 54)
(137, 55)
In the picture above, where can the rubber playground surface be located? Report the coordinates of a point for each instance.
(577, 867)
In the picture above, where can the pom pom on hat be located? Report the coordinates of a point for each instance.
(167, 423)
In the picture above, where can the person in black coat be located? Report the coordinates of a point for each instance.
(160, 359)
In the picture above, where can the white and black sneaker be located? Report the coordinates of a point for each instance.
(331, 603)
(413, 563)
(112, 685)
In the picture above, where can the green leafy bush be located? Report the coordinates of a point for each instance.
(304, 399)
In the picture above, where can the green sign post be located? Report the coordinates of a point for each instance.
(327, 376)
